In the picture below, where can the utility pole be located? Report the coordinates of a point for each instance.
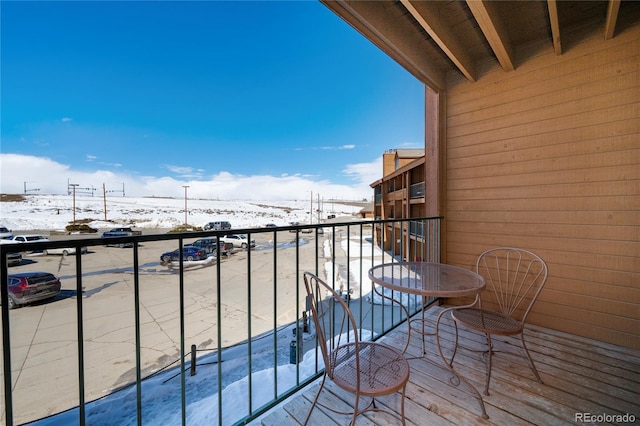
(185, 203)
(27, 190)
(74, 185)
(104, 198)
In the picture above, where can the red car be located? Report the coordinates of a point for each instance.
(30, 287)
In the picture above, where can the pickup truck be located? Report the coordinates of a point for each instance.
(238, 240)
(210, 246)
(120, 232)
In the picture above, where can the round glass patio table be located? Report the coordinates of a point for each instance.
(428, 279)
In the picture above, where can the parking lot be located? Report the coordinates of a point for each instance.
(44, 335)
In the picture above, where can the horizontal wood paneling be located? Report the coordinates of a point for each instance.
(547, 158)
(546, 68)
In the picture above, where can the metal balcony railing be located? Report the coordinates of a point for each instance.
(236, 317)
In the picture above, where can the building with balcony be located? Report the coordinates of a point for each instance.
(400, 194)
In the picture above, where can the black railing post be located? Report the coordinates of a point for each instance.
(193, 360)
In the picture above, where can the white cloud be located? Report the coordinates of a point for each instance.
(52, 177)
(179, 169)
(365, 173)
(91, 157)
(66, 119)
(111, 164)
(332, 148)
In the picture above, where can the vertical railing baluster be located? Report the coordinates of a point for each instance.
(219, 325)
(249, 339)
(6, 342)
(275, 316)
(80, 331)
(136, 310)
(296, 328)
(183, 384)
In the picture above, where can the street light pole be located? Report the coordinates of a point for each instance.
(185, 203)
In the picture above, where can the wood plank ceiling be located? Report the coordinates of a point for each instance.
(432, 38)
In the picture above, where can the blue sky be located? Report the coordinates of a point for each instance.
(234, 99)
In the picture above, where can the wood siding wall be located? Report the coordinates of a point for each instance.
(547, 158)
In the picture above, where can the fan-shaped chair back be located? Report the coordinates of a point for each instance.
(514, 277)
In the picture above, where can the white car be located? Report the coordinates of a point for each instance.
(65, 250)
(29, 238)
(238, 240)
(40, 238)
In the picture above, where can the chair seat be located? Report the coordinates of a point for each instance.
(487, 321)
(383, 369)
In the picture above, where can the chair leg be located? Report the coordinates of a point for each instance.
(404, 389)
(315, 401)
(531, 364)
(356, 412)
(489, 361)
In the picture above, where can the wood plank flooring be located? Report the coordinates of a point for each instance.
(580, 375)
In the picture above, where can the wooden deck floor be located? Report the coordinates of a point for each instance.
(580, 376)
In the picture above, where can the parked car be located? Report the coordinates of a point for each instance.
(304, 230)
(217, 226)
(120, 232)
(238, 240)
(30, 287)
(189, 254)
(30, 238)
(210, 245)
(5, 234)
(13, 258)
(34, 237)
(271, 225)
(65, 250)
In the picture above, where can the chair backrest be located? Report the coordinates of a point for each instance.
(333, 320)
(514, 277)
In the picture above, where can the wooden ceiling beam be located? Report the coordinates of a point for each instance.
(555, 26)
(486, 15)
(612, 18)
(426, 14)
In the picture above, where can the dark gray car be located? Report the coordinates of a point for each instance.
(210, 245)
(30, 287)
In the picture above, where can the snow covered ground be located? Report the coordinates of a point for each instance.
(54, 212)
